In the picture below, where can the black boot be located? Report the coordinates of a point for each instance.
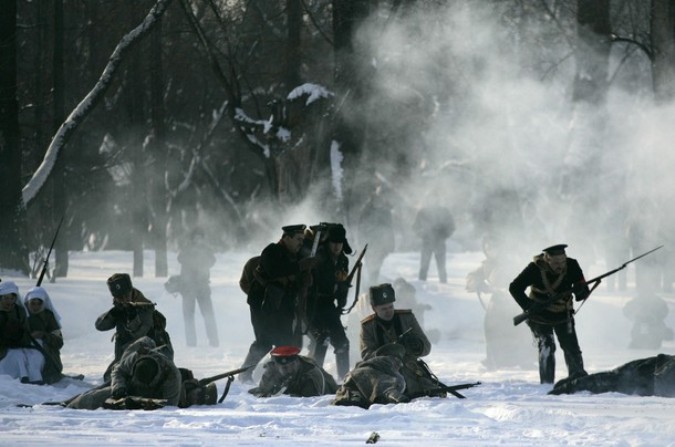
(546, 366)
(342, 362)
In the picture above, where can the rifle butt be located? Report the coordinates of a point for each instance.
(520, 318)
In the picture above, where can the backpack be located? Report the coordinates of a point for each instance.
(248, 274)
(159, 333)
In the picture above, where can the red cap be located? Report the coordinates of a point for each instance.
(285, 351)
(285, 354)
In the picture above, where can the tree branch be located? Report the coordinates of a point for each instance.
(85, 106)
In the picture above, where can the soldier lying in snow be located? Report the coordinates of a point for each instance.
(391, 343)
(651, 376)
(294, 375)
(144, 378)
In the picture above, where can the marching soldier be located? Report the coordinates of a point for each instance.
(550, 274)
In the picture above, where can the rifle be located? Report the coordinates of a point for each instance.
(230, 378)
(452, 389)
(51, 247)
(540, 305)
(357, 268)
(234, 372)
(35, 344)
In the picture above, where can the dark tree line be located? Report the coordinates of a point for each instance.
(217, 107)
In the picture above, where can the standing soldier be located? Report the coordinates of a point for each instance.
(132, 316)
(552, 274)
(273, 295)
(388, 326)
(376, 226)
(329, 298)
(434, 224)
(196, 259)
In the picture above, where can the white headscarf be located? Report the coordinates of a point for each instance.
(7, 287)
(41, 293)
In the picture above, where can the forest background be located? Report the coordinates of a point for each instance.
(136, 121)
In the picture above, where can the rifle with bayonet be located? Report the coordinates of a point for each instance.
(234, 372)
(230, 378)
(348, 281)
(34, 343)
(51, 247)
(538, 306)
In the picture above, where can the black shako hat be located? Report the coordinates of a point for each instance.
(555, 250)
(382, 294)
(337, 233)
(119, 284)
(294, 229)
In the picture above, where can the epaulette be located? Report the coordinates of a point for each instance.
(403, 311)
(370, 317)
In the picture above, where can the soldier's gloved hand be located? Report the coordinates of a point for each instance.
(580, 292)
(117, 312)
(131, 312)
(308, 263)
(119, 392)
(413, 344)
(341, 291)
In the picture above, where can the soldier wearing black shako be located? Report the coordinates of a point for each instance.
(329, 299)
(552, 278)
(273, 294)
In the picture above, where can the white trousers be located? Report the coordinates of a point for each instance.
(23, 362)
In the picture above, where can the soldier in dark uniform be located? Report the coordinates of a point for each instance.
(550, 274)
(386, 326)
(132, 316)
(328, 299)
(295, 375)
(377, 380)
(142, 375)
(651, 376)
(273, 295)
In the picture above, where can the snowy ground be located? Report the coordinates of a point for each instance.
(510, 408)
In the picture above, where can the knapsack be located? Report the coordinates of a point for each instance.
(248, 274)
(160, 335)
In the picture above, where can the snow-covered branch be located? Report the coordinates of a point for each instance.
(89, 102)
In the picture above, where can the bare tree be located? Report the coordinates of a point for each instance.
(90, 100)
(13, 253)
(663, 48)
